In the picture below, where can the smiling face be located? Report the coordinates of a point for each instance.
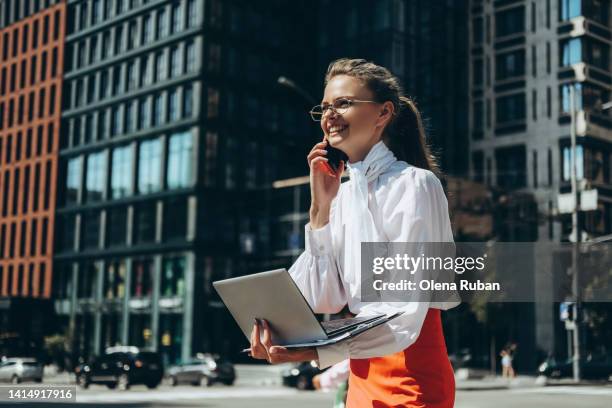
(360, 127)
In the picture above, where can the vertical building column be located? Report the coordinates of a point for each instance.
(157, 266)
(98, 296)
(188, 305)
(73, 303)
(126, 303)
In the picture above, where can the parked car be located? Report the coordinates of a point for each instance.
(300, 376)
(18, 369)
(204, 369)
(122, 367)
(594, 367)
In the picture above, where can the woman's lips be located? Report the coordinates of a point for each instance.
(337, 129)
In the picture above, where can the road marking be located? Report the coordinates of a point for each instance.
(575, 390)
(180, 394)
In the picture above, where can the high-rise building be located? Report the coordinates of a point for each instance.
(31, 59)
(171, 113)
(524, 58)
(425, 44)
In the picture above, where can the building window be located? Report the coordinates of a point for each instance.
(73, 179)
(173, 277)
(191, 57)
(96, 176)
(173, 105)
(117, 120)
(145, 219)
(180, 160)
(177, 17)
(116, 226)
(569, 9)
(147, 29)
(175, 62)
(477, 30)
(478, 119)
(510, 108)
(90, 225)
(175, 219)
(210, 161)
(567, 163)
(145, 113)
(597, 53)
(132, 77)
(510, 65)
(188, 101)
(119, 43)
(213, 103)
(478, 73)
(160, 64)
(511, 167)
(146, 70)
(149, 166)
(132, 37)
(130, 117)
(571, 52)
(114, 280)
(142, 278)
(158, 110)
(121, 178)
(162, 23)
(511, 21)
(192, 13)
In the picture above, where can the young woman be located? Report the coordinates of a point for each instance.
(392, 195)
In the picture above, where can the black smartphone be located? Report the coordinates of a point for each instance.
(334, 156)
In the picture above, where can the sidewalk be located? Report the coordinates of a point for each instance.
(496, 383)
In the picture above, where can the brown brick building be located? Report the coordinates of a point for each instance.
(31, 69)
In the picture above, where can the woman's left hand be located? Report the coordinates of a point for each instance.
(263, 349)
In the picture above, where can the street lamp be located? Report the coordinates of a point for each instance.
(284, 81)
(576, 234)
(297, 197)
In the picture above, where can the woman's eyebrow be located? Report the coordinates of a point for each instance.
(338, 97)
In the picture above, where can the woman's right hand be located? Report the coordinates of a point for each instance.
(323, 186)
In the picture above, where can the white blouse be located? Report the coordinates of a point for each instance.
(407, 204)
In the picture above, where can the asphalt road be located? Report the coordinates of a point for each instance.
(277, 396)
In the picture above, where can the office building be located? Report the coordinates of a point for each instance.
(524, 57)
(31, 58)
(171, 113)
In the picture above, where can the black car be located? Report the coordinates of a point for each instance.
(594, 367)
(205, 370)
(300, 376)
(121, 368)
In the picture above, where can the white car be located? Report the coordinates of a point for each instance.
(18, 369)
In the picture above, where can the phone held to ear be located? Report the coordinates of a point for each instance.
(334, 157)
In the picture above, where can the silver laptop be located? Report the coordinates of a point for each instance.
(274, 296)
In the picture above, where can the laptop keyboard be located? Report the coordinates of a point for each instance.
(339, 324)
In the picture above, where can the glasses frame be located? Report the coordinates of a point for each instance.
(331, 106)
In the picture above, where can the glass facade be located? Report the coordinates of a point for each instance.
(180, 160)
(149, 166)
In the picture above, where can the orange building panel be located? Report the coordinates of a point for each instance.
(31, 70)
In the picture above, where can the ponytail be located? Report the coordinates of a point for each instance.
(405, 137)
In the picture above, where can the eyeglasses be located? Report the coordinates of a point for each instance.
(339, 106)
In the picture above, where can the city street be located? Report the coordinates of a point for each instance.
(273, 396)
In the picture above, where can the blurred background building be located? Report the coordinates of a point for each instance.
(177, 155)
(31, 61)
(524, 57)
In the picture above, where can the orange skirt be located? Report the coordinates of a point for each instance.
(419, 376)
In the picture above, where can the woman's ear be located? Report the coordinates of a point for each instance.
(386, 113)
